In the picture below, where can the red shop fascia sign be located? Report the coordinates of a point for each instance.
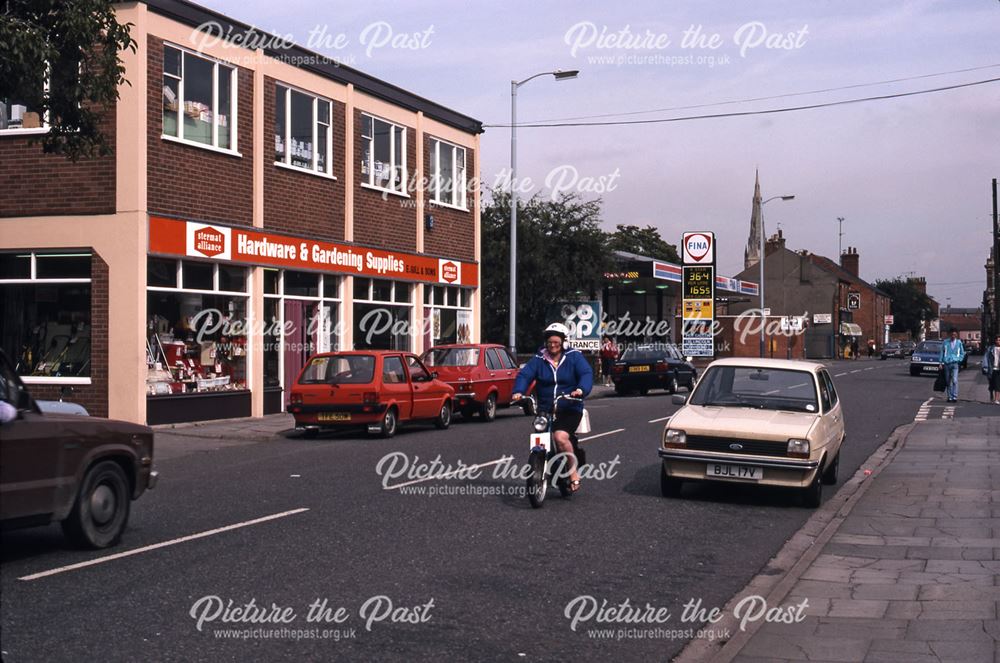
(250, 246)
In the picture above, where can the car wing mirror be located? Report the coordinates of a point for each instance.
(679, 399)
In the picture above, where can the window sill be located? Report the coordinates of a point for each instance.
(24, 132)
(365, 185)
(296, 169)
(435, 203)
(53, 379)
(210, 148)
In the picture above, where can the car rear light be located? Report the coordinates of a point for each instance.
(617, 369)
(798, 448)
(661, 368)
(296, 398)
(674, 439)
(371, 398)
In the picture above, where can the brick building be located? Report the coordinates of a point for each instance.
(260, 205)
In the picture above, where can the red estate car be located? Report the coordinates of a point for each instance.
(482, 375)
(377, 389)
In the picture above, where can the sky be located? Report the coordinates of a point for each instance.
(911, 176)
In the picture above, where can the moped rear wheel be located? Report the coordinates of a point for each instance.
(537, 486)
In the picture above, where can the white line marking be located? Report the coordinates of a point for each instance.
(798, 386)
(129, 553)
(858, 370)
(653, 421)
(773, 391)
(870, 368)
(448, 475)
(839, 375)
(594, 437)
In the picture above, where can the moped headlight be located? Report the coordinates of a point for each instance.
(541, 423)
(798, 448)
(674, 439)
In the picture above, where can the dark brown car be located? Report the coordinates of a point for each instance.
(80, 471)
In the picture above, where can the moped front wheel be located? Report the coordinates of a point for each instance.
(536, 484)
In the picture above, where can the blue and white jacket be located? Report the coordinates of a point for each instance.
(952, 352)
(572, 372)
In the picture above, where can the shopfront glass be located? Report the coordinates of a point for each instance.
(383, 314)
(449, 310)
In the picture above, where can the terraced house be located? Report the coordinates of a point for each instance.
(260, 205)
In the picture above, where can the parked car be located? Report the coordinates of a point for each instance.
(482, 376)
(772, 422)
(893, 350)
(908, 347)
(80, 471)
(926, 358)
(375, 389)
(655, 366)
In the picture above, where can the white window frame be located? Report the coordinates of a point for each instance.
(33, 278)
(233, 119)
(458, 192)
(316, 101)
(369, 181)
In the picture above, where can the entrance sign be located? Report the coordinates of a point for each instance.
(698, 293)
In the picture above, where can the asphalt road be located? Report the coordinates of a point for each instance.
(466, 576)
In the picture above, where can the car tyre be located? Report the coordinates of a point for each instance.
(643, 391)
(812, 496)
(390, 422)
(100, 512)
(669, 486)
(674, 385)
(443, 419)
(489, 410)
(914, 373)
(830, 475)
(692, 381)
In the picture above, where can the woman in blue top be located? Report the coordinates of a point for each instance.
(558, 369)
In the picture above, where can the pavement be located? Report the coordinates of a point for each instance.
(902, 565)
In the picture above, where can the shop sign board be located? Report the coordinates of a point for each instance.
(698, 292)
(251, 246)
(583, 319)
(822, 318)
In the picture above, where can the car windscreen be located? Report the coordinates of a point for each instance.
(643, 354)
(452, 357)
(339, 369)
(928, 347)
(891, 346)
(762, 388)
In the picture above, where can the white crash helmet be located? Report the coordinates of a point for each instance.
(557, 328)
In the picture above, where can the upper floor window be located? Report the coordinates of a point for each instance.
(199, 99)
(383, 154)
(302, 136)
(447, 176)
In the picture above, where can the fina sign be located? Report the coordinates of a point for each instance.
(698, 248)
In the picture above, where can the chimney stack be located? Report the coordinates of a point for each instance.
(849, 261)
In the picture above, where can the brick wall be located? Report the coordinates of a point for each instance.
(93, 396)
(192, 182)
(453, 235)
(387, 221)
(46, 184)
(298, 202)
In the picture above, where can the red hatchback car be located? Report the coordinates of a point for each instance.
(481, 374)
(376, 389)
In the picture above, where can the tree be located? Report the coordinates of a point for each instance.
(74, 45)
(561, 251)
(643, 241)
(909, 305)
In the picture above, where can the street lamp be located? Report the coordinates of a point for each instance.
(559, 75)
(764, 317)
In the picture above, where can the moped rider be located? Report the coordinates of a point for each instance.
(557, 370)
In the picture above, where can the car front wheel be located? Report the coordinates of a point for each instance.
(389, 423)
(830, 475)
(674, 386)
(813, 495)
(100, 512)
(443, 419)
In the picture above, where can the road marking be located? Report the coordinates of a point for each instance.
(773, 391)
(924, 411)
(183, 539)
(857, 370)
(839, 375)
(949, 413)
(448, 475)
(870, 368)
(594, 437)
(653, 421)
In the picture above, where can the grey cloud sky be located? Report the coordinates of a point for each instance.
(911, 175)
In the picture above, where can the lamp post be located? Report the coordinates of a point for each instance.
(764, 317)
(559, 75)
(840, 237)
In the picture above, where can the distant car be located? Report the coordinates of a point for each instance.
(482, 376)
(82, 472)
(772, 422)
(925, 358)
(893, 350)
(654, 366)
(375, 389)
(908, 347)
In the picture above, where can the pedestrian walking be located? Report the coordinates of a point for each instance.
(854, 348)
(609, 353)
(952, 354)
(871, 348)
(993, 370)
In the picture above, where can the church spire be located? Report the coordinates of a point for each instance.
(752, 253)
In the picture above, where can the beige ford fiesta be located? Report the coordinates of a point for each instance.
(770, 422)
